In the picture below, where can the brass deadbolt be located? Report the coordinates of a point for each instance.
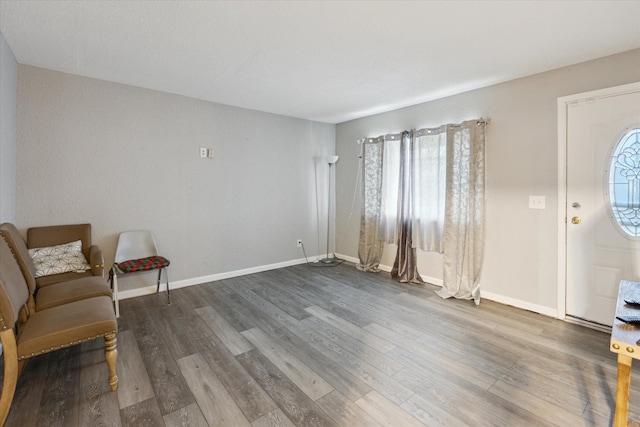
(576, 220)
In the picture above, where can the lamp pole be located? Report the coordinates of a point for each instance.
(331, 160)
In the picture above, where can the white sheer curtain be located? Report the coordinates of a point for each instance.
(390, 207)
(429, 177)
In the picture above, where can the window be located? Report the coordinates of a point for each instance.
(429, 189)
(624, 184)
(415, 161)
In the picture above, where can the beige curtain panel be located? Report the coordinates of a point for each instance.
(464, 222)
(370, 244)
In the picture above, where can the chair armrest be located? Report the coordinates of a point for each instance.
(96, 260)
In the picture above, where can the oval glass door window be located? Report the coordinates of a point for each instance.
(624, 184)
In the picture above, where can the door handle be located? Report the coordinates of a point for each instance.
(576, 220)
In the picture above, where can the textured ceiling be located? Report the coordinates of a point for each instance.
(328, 61)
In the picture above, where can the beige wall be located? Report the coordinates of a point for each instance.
(124, 158)
(521, 257)
(8, 75)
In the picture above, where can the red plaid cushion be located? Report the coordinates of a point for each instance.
(143, 264)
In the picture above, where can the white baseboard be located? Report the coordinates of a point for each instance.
(347, 258)
(387, 268)
(484, 294)
(146, 290)
(540, 309)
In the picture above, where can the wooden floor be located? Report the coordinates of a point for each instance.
(311, 346)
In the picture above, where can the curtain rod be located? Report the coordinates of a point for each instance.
(393, 136)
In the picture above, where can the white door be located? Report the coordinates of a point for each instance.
(603, 242)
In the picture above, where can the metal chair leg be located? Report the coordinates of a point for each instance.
(114, 286)
(166, 273)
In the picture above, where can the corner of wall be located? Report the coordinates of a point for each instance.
(8, 87)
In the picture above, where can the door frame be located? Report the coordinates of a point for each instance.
(563, 107)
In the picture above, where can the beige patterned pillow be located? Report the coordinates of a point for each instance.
(59, 259)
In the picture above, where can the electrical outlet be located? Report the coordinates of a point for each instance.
(299, 243)
(203, 153)
(536, 202)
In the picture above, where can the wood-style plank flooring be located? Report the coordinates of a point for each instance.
(305, 346)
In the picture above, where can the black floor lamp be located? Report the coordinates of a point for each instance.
(329, 261)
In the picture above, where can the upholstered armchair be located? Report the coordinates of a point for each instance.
(25, 334)
(41, 298)
(49, 236)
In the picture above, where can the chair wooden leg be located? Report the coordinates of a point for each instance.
(111, 355)
(10, 351)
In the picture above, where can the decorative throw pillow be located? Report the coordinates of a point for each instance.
(59, 259)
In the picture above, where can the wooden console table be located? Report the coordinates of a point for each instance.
(625, 340)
